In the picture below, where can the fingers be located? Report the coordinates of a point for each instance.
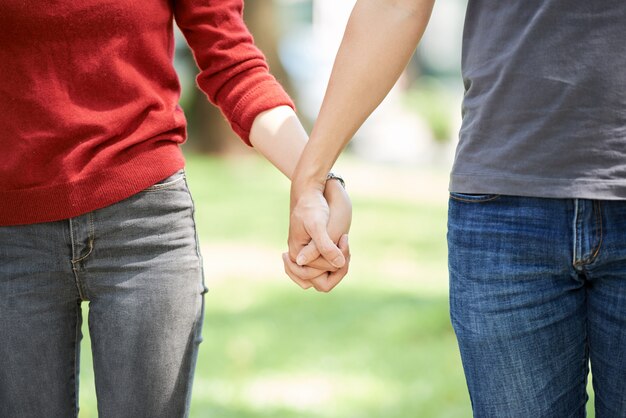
(324, 282)
(291, 267)
(337, 276)
(306, 272)
(307, 254)
(326, 246)
(320, 263)
(309, 214)
(312, 258)
(320, 283)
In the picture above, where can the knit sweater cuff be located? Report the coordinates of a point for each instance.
(257, 92)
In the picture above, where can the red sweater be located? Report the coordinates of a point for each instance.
(89, 97)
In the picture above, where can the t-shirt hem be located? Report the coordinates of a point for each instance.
(578, 188)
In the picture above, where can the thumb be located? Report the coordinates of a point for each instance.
(327, 247)
(343, 244)
(307, 254)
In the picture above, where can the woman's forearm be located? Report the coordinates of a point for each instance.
(379, 40)
(279, 136)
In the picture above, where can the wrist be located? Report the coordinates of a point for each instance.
(312, 170)
(334, 190)
(331, 186)
(333, 177)
(312, 179)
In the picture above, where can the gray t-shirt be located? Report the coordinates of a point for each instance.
(544, 112)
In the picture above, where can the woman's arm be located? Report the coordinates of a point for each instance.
(233, 71)
(279, 136)
(235, 77)
(380, 38)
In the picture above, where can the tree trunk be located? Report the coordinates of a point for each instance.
(208, 130)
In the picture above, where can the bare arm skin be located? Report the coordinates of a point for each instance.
(379, 40)
(279, 136)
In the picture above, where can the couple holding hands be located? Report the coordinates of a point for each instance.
(94, 204)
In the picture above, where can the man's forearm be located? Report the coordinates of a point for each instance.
(279, 136)
(379, 40)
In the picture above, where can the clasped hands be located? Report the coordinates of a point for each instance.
(319, 254)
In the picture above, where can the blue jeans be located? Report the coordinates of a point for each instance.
(537, 292)
(137, 263)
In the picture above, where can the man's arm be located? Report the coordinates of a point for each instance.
(380, 38)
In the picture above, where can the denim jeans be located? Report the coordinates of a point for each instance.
(537, 292)
(137, 263)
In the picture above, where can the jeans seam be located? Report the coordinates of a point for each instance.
(74, 262)
(76, 359)
(199, 320)
(585, 359)
(599, 238)
(91, 237)
(195, 230)
(576, 237)
(599, 232)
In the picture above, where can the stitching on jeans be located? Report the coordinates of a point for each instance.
(91, 237)
(579, 240)
(599, 232)
(92, 228)
(575, 234)
(72, 240)
(195, 230)
(161, 186)
(86, 255)
(586, 358)
(79, 287)
(74, 262)
(599, 237)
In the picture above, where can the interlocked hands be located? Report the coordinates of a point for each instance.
(319, 254)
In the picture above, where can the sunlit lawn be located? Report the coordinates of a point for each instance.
(380, 345)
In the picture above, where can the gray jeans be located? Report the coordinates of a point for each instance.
(138, 264)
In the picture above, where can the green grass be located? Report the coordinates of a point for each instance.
(380, 345)
(368, 347)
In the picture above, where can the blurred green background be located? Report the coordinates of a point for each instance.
(380, 344)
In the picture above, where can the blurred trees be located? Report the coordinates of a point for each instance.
(208, 130)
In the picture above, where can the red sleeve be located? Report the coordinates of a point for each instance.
(234, 74)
